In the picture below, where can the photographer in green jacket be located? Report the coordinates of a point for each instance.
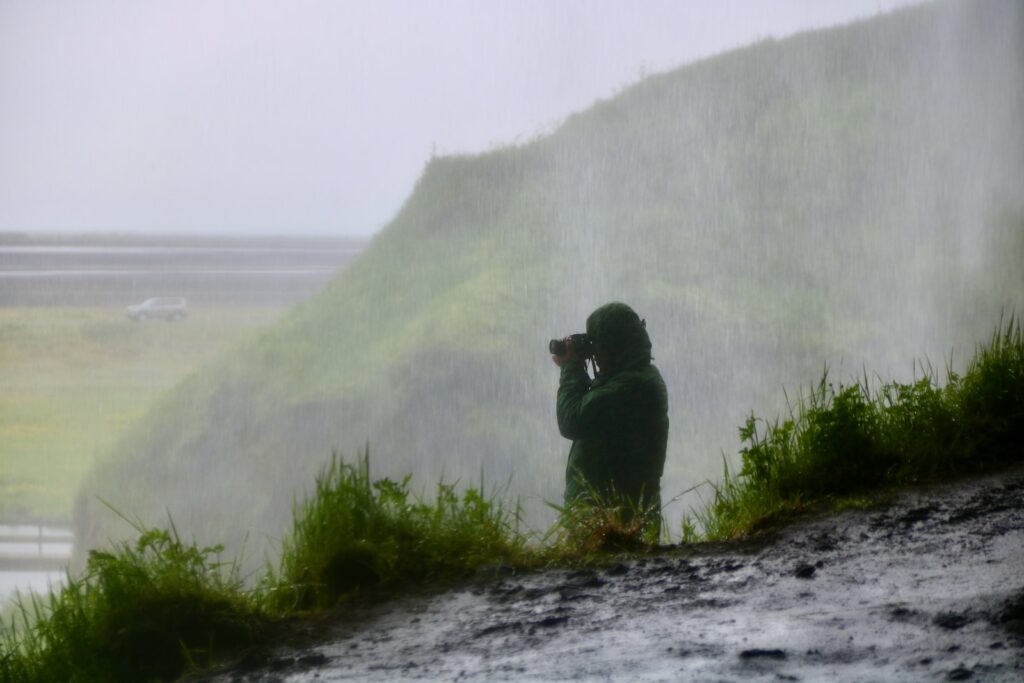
(618, 422)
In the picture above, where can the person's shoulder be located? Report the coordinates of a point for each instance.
(642, 374)
(649, 375)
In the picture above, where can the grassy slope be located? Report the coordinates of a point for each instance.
(765, 210)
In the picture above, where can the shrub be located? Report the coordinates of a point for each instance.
(601, 523)
(354, 533)
(850, 440)
(990, 400)
(140, 612)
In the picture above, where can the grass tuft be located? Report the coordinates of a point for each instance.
(141, 612)
(355, 533)
(602, 523)
(839, 442)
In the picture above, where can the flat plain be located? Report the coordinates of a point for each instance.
(75, 372)
(73, 379)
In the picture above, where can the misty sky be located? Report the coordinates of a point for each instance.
(312, 117)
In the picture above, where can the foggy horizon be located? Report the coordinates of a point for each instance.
(196, 119)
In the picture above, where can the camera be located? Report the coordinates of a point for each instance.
(583, 344)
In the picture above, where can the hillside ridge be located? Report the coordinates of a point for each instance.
(843, 195)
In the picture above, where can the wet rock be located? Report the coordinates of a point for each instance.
(617, 569)
(1012, 616)
(691, 649)
(281, 664)
(560, 623)
(918, 514)
(758, 653)
(951, 621)
(880, 522)
(577, 588)
(576, 596)
(498, 570)
(661, 568)
(505, 593)
(804, 571)
(550, 621)
(592, 581)
(686, 566)
(553, 620)
(252, 661)
(901, 613)
(823, 542)
(985, 503)
(312, 660)
(712, 603)
(531, 594)
(582, 574)
(511, 626)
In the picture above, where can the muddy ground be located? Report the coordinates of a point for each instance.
(929, 586)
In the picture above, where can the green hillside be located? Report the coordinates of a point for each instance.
(849, 196)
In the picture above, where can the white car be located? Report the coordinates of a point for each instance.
(165, 307)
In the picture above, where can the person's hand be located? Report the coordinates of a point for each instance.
(569, 355)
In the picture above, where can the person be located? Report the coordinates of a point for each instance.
(618, 422)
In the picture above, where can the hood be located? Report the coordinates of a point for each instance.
(618, 328)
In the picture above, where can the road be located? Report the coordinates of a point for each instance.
(102, 271)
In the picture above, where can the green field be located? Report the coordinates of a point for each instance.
(74, 379)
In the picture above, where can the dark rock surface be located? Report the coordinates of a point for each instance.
(927, 587)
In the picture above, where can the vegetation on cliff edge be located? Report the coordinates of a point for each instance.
(152, 609)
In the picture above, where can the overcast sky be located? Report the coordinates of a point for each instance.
(292, 117)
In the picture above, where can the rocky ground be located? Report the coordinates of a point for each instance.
(929, 586)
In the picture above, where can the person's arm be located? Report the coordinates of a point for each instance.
(583, 410)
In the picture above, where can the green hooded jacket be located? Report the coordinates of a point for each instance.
(618, 422)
